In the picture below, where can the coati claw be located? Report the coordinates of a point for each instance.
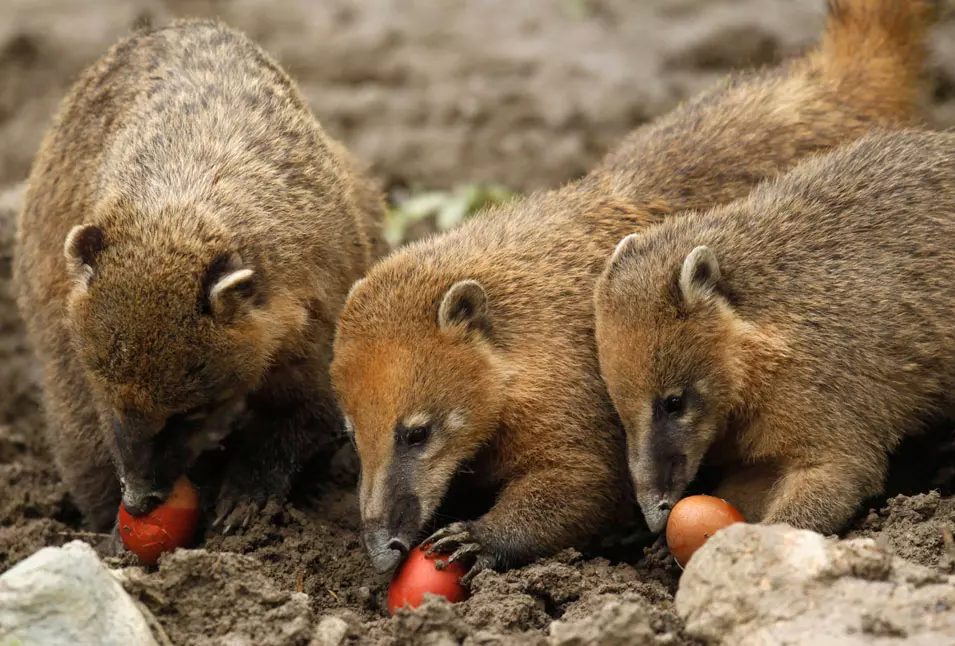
(234, 515)
(483, 562)
(444, 540)
(243, 496)
(458, 539)
(469, 548)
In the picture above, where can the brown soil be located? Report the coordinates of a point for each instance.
(527, 94)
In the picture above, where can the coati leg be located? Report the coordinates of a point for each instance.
(538, 512)
(289, 423)
(822, 497)
(747, 489)
(78, 445)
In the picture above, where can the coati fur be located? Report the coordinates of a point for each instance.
(794, 337)
(188, 239)
(475, 349)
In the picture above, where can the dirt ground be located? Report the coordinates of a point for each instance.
(525, 94)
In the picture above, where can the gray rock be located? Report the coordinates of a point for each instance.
(755, 584)
(65, 595)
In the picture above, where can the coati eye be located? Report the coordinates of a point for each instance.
(674, 405)
(415, 436)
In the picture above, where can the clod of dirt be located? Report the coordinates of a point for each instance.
(337, 629)
(209, 599)
(754, 584)
(435, 622)
(615, 622)
(915, 528)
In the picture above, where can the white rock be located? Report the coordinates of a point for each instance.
(754, 584)
(65, 595)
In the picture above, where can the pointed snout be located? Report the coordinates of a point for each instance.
(386, 550)
(659, 482)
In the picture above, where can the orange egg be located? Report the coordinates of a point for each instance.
(419, 574)
(693, 520)
(168, 526)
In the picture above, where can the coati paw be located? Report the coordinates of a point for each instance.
(458, 540)
(244, 494)
(235, 512)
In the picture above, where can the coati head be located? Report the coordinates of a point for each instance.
(172, 325)
(672, 353)
(421, 388)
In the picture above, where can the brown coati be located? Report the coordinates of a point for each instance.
(795, 336)
(476, 347)
(188, 239)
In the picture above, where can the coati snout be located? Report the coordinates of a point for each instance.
(665, 459)
(388, 544)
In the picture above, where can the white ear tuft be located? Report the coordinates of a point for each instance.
(354, 286)
(464, 305)
(624, 249)
(700, 275)
(232, 293)
(83, 244)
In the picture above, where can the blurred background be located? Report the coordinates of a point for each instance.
(435, 94)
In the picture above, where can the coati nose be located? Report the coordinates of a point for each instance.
(385, 550)
(399, 544)
(141, 505)
(665, 506)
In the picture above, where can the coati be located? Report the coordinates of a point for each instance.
(475, 349)
(187, 242)
(795, 335)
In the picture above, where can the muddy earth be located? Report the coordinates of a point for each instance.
(523, 94)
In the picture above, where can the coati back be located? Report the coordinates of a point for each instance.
(188, 239)
(794, 336)
(474, 351)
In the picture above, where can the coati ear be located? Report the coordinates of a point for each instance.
(83, 244)
(231, 288)
(626, 248)
(699, 276)
(464, 305)
(354, 286)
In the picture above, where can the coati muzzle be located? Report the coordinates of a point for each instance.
(390, 541)
(659, 481)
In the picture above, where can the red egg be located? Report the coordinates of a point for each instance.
(168, 526)
(694, 520)
(419, 574)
